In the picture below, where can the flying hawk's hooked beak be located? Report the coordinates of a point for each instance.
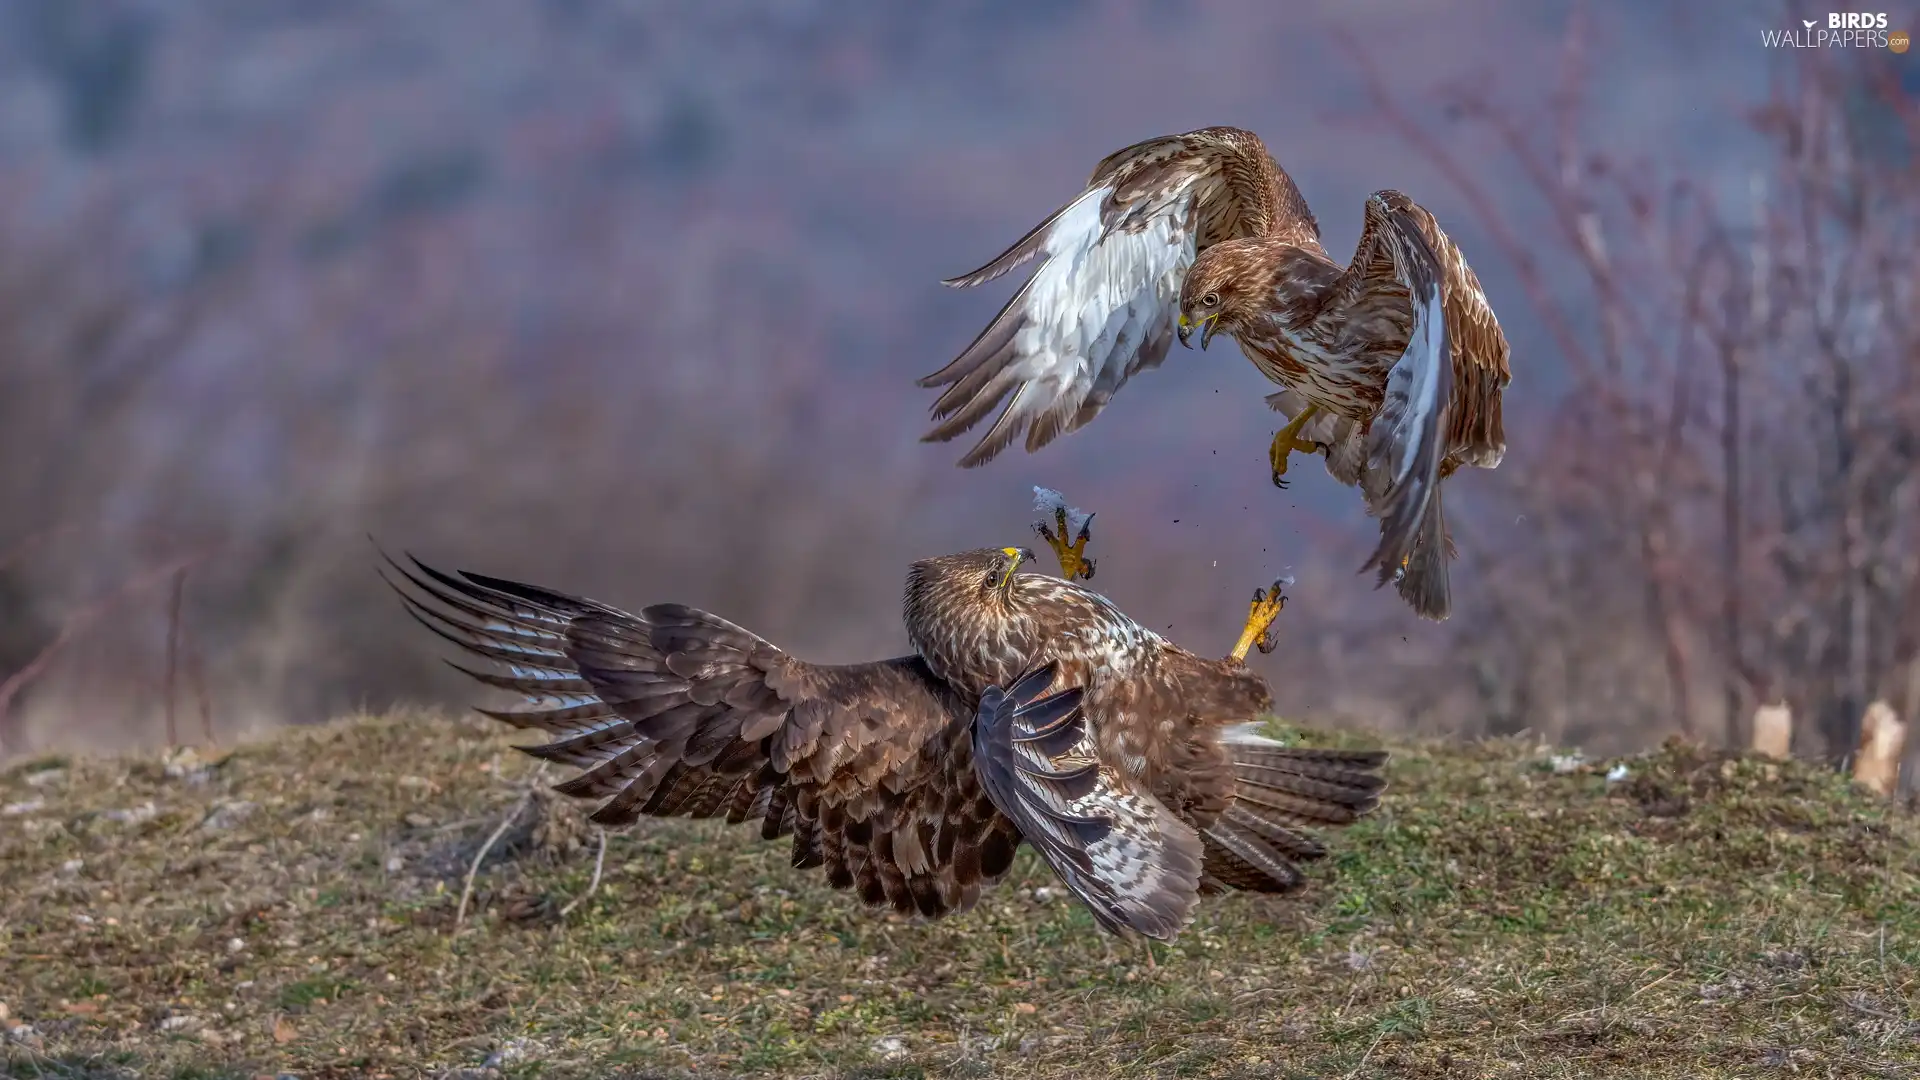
(1209, 326)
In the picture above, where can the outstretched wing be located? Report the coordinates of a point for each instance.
(1443, 394)
(1476, 433)
(1122, 852)
(1103, 303)
(678, 712)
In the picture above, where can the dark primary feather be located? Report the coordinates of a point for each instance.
(1018, 254)
(527, 645)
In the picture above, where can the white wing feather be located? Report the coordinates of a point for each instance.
(1100, 308)
(1414, 396)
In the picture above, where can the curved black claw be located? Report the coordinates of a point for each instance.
(1080, 543)
(1073, 560)
(1258, 629)
(1268, 602)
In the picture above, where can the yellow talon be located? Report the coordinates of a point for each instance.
(1287, 440)
(1073, 560)
(1260, 615)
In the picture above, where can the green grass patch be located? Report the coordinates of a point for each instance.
(291, 907)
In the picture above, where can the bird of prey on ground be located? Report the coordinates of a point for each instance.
(1030, 708)
(1393, 365)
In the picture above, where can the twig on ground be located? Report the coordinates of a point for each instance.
(455, 826)
(41, 1061)
(473, 870)
(1363, 1057)
(599, 864)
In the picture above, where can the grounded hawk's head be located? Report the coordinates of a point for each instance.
(974, 617)
(983, 575)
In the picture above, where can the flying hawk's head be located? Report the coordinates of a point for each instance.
(1215, 296)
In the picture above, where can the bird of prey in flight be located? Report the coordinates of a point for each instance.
(1392, 365)
(1029, 709)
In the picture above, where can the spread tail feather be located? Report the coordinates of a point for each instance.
(1280, 792)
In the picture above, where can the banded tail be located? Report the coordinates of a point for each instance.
(1259, 840)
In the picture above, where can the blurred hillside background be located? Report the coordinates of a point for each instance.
(629, 298)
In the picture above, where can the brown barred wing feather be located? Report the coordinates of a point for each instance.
(675, 711)
(1120, 850)
(1476, 433)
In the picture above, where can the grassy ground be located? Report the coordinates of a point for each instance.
(292, 908)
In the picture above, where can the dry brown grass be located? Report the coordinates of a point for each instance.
(291, 907)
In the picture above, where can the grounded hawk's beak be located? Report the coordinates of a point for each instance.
(1184, 330)
(1015, 556)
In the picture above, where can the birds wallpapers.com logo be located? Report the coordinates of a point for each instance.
(1841, 29)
